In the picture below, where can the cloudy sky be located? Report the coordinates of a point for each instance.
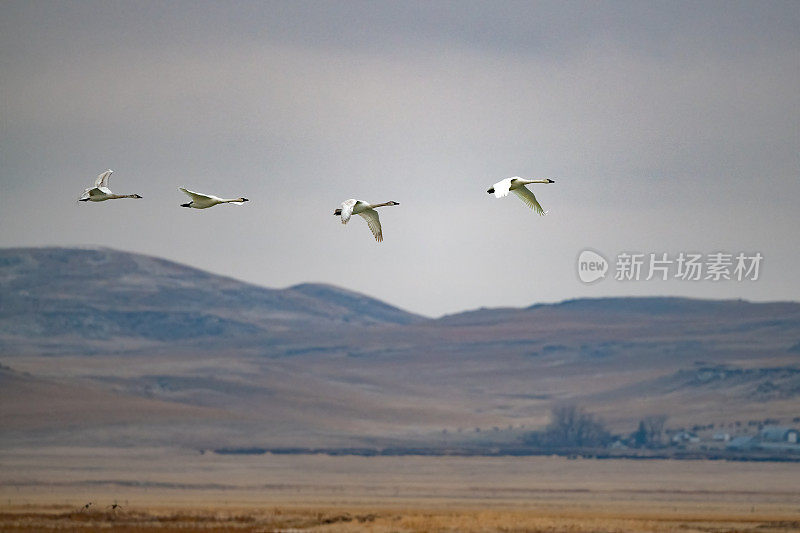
(669, 127)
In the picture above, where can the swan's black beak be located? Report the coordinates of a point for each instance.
(491, 191)
(245, 200)
(187, 205)
(338, 212)
(550, 181)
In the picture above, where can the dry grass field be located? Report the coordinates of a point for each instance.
(171, 490)
(382, 519)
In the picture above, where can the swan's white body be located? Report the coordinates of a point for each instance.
(100, 192)
(366, 211)
(517, 186)
(204, 201)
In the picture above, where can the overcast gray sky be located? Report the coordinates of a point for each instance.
(668, 127)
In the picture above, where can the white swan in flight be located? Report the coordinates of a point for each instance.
(204, 201)
(517, 186)
(366, 211)
(100, 192)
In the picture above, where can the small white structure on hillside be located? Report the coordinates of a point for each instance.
(683, 437)
(780, 434)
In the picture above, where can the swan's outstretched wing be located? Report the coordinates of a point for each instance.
(347, 209)
(198, 197)
(502, 187)
(374, 223)
(527, 196)
(97, 191)
(102, 179)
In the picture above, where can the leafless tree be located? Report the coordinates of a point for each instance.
(654, 424)
(572, 426)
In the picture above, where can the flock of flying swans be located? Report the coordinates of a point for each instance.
(100, 192)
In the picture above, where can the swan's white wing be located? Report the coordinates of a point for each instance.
(374, 223)
(98, 191)
(199, 197)
(347, 209)
(502, 187)
(102, 179)
(530, 200)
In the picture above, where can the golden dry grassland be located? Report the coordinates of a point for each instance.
(382, 519)
(182, 490)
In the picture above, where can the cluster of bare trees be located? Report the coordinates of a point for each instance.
(649, 432)
(571, 427)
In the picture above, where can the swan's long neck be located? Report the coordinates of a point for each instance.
(524, 181)
(233, 200)
(115, 196)
(384, 204)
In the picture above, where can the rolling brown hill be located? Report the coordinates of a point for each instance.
(66, 300)
(103, 346)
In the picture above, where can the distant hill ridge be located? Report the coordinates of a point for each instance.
(656, 304)
(104, 293)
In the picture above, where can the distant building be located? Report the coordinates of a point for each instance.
(770, 438)
(682, 437)
(721, 437)
(780, 434)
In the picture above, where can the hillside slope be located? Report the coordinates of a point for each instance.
(64, 299)
(116, 335)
